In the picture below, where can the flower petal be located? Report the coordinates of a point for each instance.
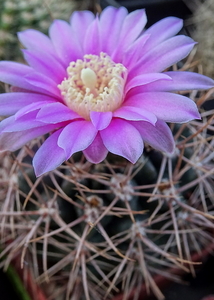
(121, 138)
(46, 64)
(23, 123)
(164, 55)
(133, 25)
(96, 152)
(76, 136)
(134, 52)
(188, 81)
(135, 114)
(80, 21)
(36, 40)
(180, 81)
(12, 141)
(100, 120)
(91, 42)
(55, 113)
(168, 107)
(49, 156)
(162, 30)
(65, 44)
(111, 20)
(145, 79)
(10, 103)
(13, 73)
(159, 136)
(43, 83)
(30, 108)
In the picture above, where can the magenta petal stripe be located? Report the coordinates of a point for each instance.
(159, 136)
(96, 151)
(100, 120)
(162, 30)
(11, 103)
(46, 160)
(133, 25)
(55, 113)
(35, 40)
(66, 46)
(30, 108)
(111, 21)
(43, 84)
(80, 21)
(92, 39)
(76, 136)
(164, 55)
(166, 106)
(121, 138)
(145, 79)
(135, 114)
(12, 141)
(46, 64)
(13, 73)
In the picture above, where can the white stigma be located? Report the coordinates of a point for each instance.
(89, 78)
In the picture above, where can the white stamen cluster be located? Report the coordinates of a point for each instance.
(95, 83)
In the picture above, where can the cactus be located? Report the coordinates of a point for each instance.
(90, 231)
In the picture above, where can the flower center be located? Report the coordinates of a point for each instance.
(95, 83)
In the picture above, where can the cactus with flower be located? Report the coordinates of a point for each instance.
(111, 181)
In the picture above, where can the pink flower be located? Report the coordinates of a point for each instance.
(97, 85)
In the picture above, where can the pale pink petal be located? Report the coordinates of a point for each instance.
(132, 26)
(91, 44)
(12, 141)
(180, 81)
(76, 136)
(46, 64)
(25, 122)
(100, 120)
(111, 21)
(55, 113)
(163, 56)
(123, 139)
(36, 40)
(96, 152)
(49, 156)
(162, 30)
(134, 52)
(43, 84)
(168, 107)
(30, 108)
(10, 103)
(145, 79)
(5, 122)
(13, 73)
(189, 81)
(159, 136)
(80, 21)
(65, 44)
(135, 114)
